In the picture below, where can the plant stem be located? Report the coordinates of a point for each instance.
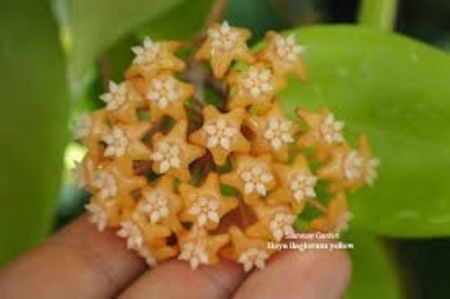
(378, 14)
(196, 74)
(216, 12)
(105, 71)
(317, 205)
(215, 15)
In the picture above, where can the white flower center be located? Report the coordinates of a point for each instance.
(162, 92)
(253, 257)
(287, 48)
(353, 166)
(343, 221)
(258, 82)
(83, 126)
(371, 170)
(281, 225)
(132, 233)
(204, 208)
(167, 155)
(194, 252)
(146, 54)
(302, 185)
(278, 132)
(156, 206)
(117, 143)
(106, 183)
(223, 38)
(147, 255)
(331, 129)
(97, 215)
(116, 97)
(220, 134)
(256, 179)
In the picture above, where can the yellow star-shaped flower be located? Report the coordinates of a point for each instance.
(159, 204)
(153, 253)
(336, 218)
(167, 95)
(297, 184)
(349, 169)
(153, 234)
(284, 54)
(205, 205)
(172, 154)
(108, 213)
(127, 113)
(114, 180)
(253, 177)
(197, 247)
(85, 171)
(250, 252)
(90, 129)
(221, 133)
(153, 57)
(323, 132)
(273, 133)
(126, 141)
(255, 86)
(273, 222)
(148, 239)
(223, 45)
(370, 163)
(112, 189)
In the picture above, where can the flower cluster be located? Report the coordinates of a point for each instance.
(159, 178)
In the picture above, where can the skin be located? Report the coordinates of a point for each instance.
(79, 262)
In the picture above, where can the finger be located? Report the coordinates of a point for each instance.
(78, 262)
(175, 279)
(317, 274)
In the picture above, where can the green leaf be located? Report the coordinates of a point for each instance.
(32, 123)
(90, 27)
(378, 14)
(183, 22)
(373, 273)
(396, 91)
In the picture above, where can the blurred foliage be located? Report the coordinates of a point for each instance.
(32, 123)
(373, 271)
(378, 14)
(90, 27)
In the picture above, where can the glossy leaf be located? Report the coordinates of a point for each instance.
(32, 123)
(90, 27)
(183, 22)
(395, 90)
(373, 273)
(378, 14)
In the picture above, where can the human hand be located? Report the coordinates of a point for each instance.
(79, 262)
